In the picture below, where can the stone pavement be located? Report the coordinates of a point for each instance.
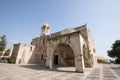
(104, 72)
(37, 72)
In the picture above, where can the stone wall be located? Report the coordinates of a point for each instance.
(22, 53)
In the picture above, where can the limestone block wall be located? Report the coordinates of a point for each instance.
(14, 52)
(35, 41)
(39, 53)
(23, 53)
(92, 47)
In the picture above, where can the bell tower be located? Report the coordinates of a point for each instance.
(45, 30)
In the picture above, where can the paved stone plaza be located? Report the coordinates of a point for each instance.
(37, 72)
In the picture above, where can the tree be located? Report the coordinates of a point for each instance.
(115, 51)
(3, 42)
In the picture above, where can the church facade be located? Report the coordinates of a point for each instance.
(70, 47)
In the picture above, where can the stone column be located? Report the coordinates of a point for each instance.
(94, 59)
(50, 64)
(79, 64)
(77, 47)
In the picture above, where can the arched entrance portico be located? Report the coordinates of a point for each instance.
(63, 56)
(66, 51)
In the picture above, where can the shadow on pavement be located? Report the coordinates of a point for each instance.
(40, 67)
(115, 68)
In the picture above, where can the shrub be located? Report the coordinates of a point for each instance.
(7, 60)
(117, 61)
(101, 61)
(11, 60)
(3, 60)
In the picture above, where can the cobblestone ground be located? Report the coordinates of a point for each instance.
(36, 72)
(105, 72)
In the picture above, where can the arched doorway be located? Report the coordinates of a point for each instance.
(63, 56)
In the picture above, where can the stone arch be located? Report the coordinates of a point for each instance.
(62, 55)
(75, 45)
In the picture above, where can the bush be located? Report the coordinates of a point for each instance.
(117, 61)
(101, 61)
(3, 60)
(11, 60)
(7, 60)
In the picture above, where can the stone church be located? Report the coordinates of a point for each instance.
(72, 47)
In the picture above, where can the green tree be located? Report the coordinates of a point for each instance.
(115, 51)
(3, 42)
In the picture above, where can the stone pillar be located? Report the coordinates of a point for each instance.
(90, 60)
(79, 64)
(50, 64)
(94, 60)
(77, 47)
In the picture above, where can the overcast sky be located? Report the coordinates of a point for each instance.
(21, 20)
